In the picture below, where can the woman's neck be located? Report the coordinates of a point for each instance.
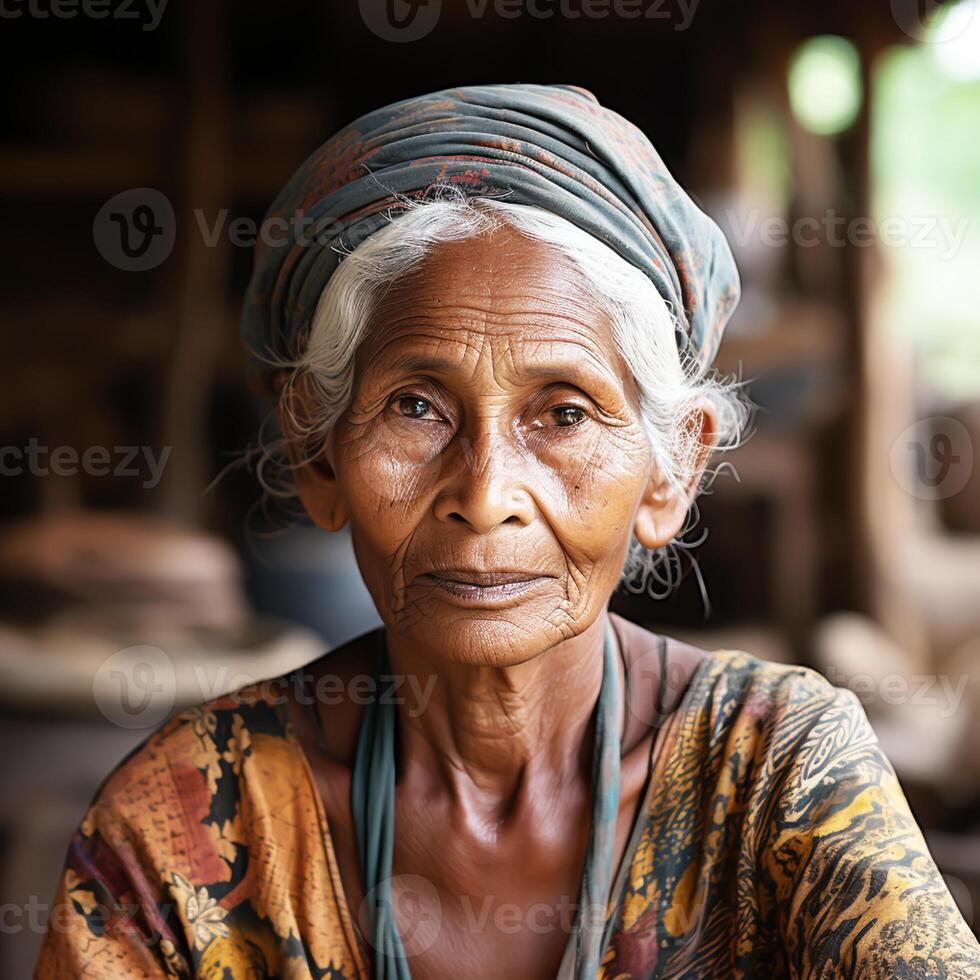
(499, 738)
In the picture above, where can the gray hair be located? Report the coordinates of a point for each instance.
(643, 329)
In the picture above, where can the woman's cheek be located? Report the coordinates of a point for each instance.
(596, 495)
(388, 500)
(387, 482)
(413, 451)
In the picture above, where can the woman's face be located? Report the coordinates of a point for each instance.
(492, 463)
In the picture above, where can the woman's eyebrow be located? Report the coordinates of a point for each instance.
(573, 369)
(576, 372)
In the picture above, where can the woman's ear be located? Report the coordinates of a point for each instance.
(664, 506)
(314, 476)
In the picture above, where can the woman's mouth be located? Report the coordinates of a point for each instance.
(471, 587)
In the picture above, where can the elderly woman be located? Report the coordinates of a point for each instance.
(491, 348)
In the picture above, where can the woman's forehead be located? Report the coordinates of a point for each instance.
(501, 296)
(500, 272)
(463, 342)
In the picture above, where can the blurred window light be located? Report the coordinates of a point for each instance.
(825, 88)
(762, 152)
(925, 157)
(953, 36)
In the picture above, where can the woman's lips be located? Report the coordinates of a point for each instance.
(472, 587)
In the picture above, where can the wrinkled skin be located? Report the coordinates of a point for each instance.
(494, 431)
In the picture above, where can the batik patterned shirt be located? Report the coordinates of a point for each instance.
(772, 840)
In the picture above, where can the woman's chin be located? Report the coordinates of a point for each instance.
(498, 637)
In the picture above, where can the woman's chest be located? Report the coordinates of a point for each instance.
(504, 902)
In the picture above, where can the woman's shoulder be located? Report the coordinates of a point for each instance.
(768, 726)
(666, 675)
(214, 817)
(195, 766)
(776, 827)
(216, 737)
(732, 683)
(729, 708)
(203, 762)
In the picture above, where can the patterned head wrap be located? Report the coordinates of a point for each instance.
(551, 146)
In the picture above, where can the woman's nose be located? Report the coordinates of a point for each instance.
(487, 487)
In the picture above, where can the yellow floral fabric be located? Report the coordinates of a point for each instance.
(773, 841)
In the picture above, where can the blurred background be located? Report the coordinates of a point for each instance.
(837, 144)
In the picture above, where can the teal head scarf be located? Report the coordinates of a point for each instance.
(549, 146)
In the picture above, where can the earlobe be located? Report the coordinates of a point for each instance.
(661, 513)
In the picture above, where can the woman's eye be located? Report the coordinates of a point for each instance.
(412, 407)
(566, 415)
